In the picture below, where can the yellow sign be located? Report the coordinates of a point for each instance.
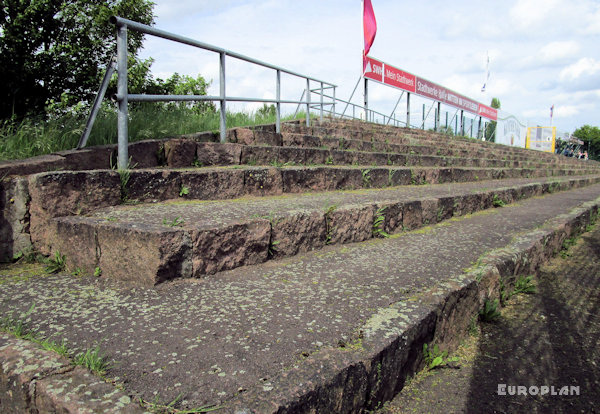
(541, 138)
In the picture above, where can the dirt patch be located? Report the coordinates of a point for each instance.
(547, 339)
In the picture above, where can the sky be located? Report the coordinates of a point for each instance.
(541, 52)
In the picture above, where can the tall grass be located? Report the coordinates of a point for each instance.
(32, 137)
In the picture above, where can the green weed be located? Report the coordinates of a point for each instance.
(176, 222)
(57, 264)
(524, 284)
(183, 191)
(328, 223)
(378, 223)
(490, 312)
(93, 360)
(435, 358)
(366, 177)
(497, 201)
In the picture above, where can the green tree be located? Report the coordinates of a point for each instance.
(590, 135)
(490, 130)
(56, 50)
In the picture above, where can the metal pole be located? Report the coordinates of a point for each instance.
(462, 122)
(97, 103)
(366, 99)
(322, 91)
(307, 102)
(408, 109)
(455, 125)
(278, 107)
(223, 102)
(122, 151)
(479, 129)
(446, 120)
(350, 99)
(396, 106)
(333, 107)
(423, 116)
(437, 117)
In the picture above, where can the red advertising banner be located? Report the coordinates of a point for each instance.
(373, 69)
(399, 79)
(389, 75)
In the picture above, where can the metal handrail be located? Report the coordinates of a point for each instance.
(123, 97)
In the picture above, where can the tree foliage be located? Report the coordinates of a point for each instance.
(490, 130)
(590, 135)
(56, 50)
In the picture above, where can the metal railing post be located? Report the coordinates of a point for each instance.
(110, 69)
(278, 107)
(223, 120)
(334, 99)
(122, 133)
(408, 110)
(322, 91)
(396, 106)
(307, 102)
(366, 100)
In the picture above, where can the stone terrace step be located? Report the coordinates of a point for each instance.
(380, 133)
(332, 331)
(151, 243)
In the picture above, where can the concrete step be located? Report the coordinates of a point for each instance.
(151, 243)
(333, 331)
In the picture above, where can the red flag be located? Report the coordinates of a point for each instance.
(369, 27)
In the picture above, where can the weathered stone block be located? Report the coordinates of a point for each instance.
(262, 137)
(147, 154)
(80, 391)
(230, 247)
(213, 184)
(257, 155)
(153, 185)
(344, 157)
(298, 232)
(32, 165)
(22, 364)
(56, 194)
(144, 254)
(208, 153)
(92, 158)
(243, 136)
(180, 153)
(292, 155)
(263, 181)
(14, 218)
(349, 224)
(75, 238)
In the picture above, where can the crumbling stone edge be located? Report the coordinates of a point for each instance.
(372, 368)
(34, 380)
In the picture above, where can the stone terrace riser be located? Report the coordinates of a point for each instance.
(375, 132)
(209, 154)
(300, 140)
(156, 253)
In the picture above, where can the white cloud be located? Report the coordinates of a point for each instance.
(531, 14)
(559, 51)
(582, 68)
